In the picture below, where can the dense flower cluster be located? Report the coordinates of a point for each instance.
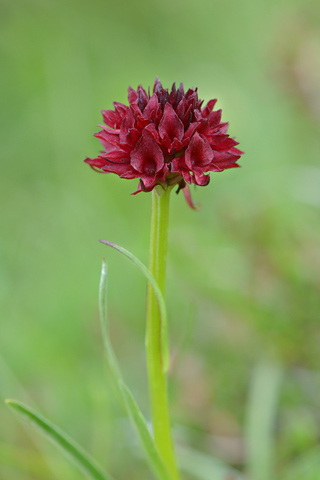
(164, 138)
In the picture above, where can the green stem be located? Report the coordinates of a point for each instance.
(157, 375)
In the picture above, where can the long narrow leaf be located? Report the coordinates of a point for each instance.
(144, 435)
(10, 382)
(159, 296)
(80, 458)
(103, 313)
(152, 454)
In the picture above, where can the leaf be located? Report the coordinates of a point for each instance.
(143, 433)
(9, 381)
(262, 409)
(112, 360)
(80, 458)
(205, 467)
(153, 456)
(161, 303)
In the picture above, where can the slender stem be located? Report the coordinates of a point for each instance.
(157, 377)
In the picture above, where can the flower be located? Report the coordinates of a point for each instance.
(164, 139)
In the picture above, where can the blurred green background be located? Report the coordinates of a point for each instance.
(244, 271)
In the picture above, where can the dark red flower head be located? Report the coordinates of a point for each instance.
(164, 139)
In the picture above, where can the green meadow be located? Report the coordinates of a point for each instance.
(243, 283)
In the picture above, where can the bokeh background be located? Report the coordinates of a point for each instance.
(244, 272)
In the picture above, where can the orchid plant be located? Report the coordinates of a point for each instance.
(166, 140)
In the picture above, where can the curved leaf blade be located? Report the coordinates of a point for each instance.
(152, 453)
(103, 314)
(69, 447)
(144, 435)
(161, 303)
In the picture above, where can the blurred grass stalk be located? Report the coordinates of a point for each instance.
(261, 416)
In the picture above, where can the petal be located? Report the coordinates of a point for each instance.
(130, 174)
(191, 130)
(208, 108)
(153, 132)
(200, 179)
(119, 169)
(120, 109)
(226, 145)
(147, 157)
(126, 124)
(132, 95)
(221, 159)
(139, 189)
(150, 112)
(108, 141)
(176, 145)
(198, 115)
(133, 136)
(236, 151)
(187, 176)
(233, 165)
(187, 195)
(135, 110)
(163, 173)
(117, 156)
(177, 165)
(223, 127)
(199, 153)
(112, 131)
(180, 93)
(108, 167)
(95, 162)
(142, 98)
(181, 108)
(187, 117)
(215, 118)
(157, 87)
(111, 118)
(148, 182)
(173, 94)
(171, 124)
(141, 122)
(216, 138)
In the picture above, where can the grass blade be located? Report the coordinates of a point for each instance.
(144, 435)
(80, 458)
(262, 409)
(10, 382)
(159, 296)
(103, 314)
(136, 416)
